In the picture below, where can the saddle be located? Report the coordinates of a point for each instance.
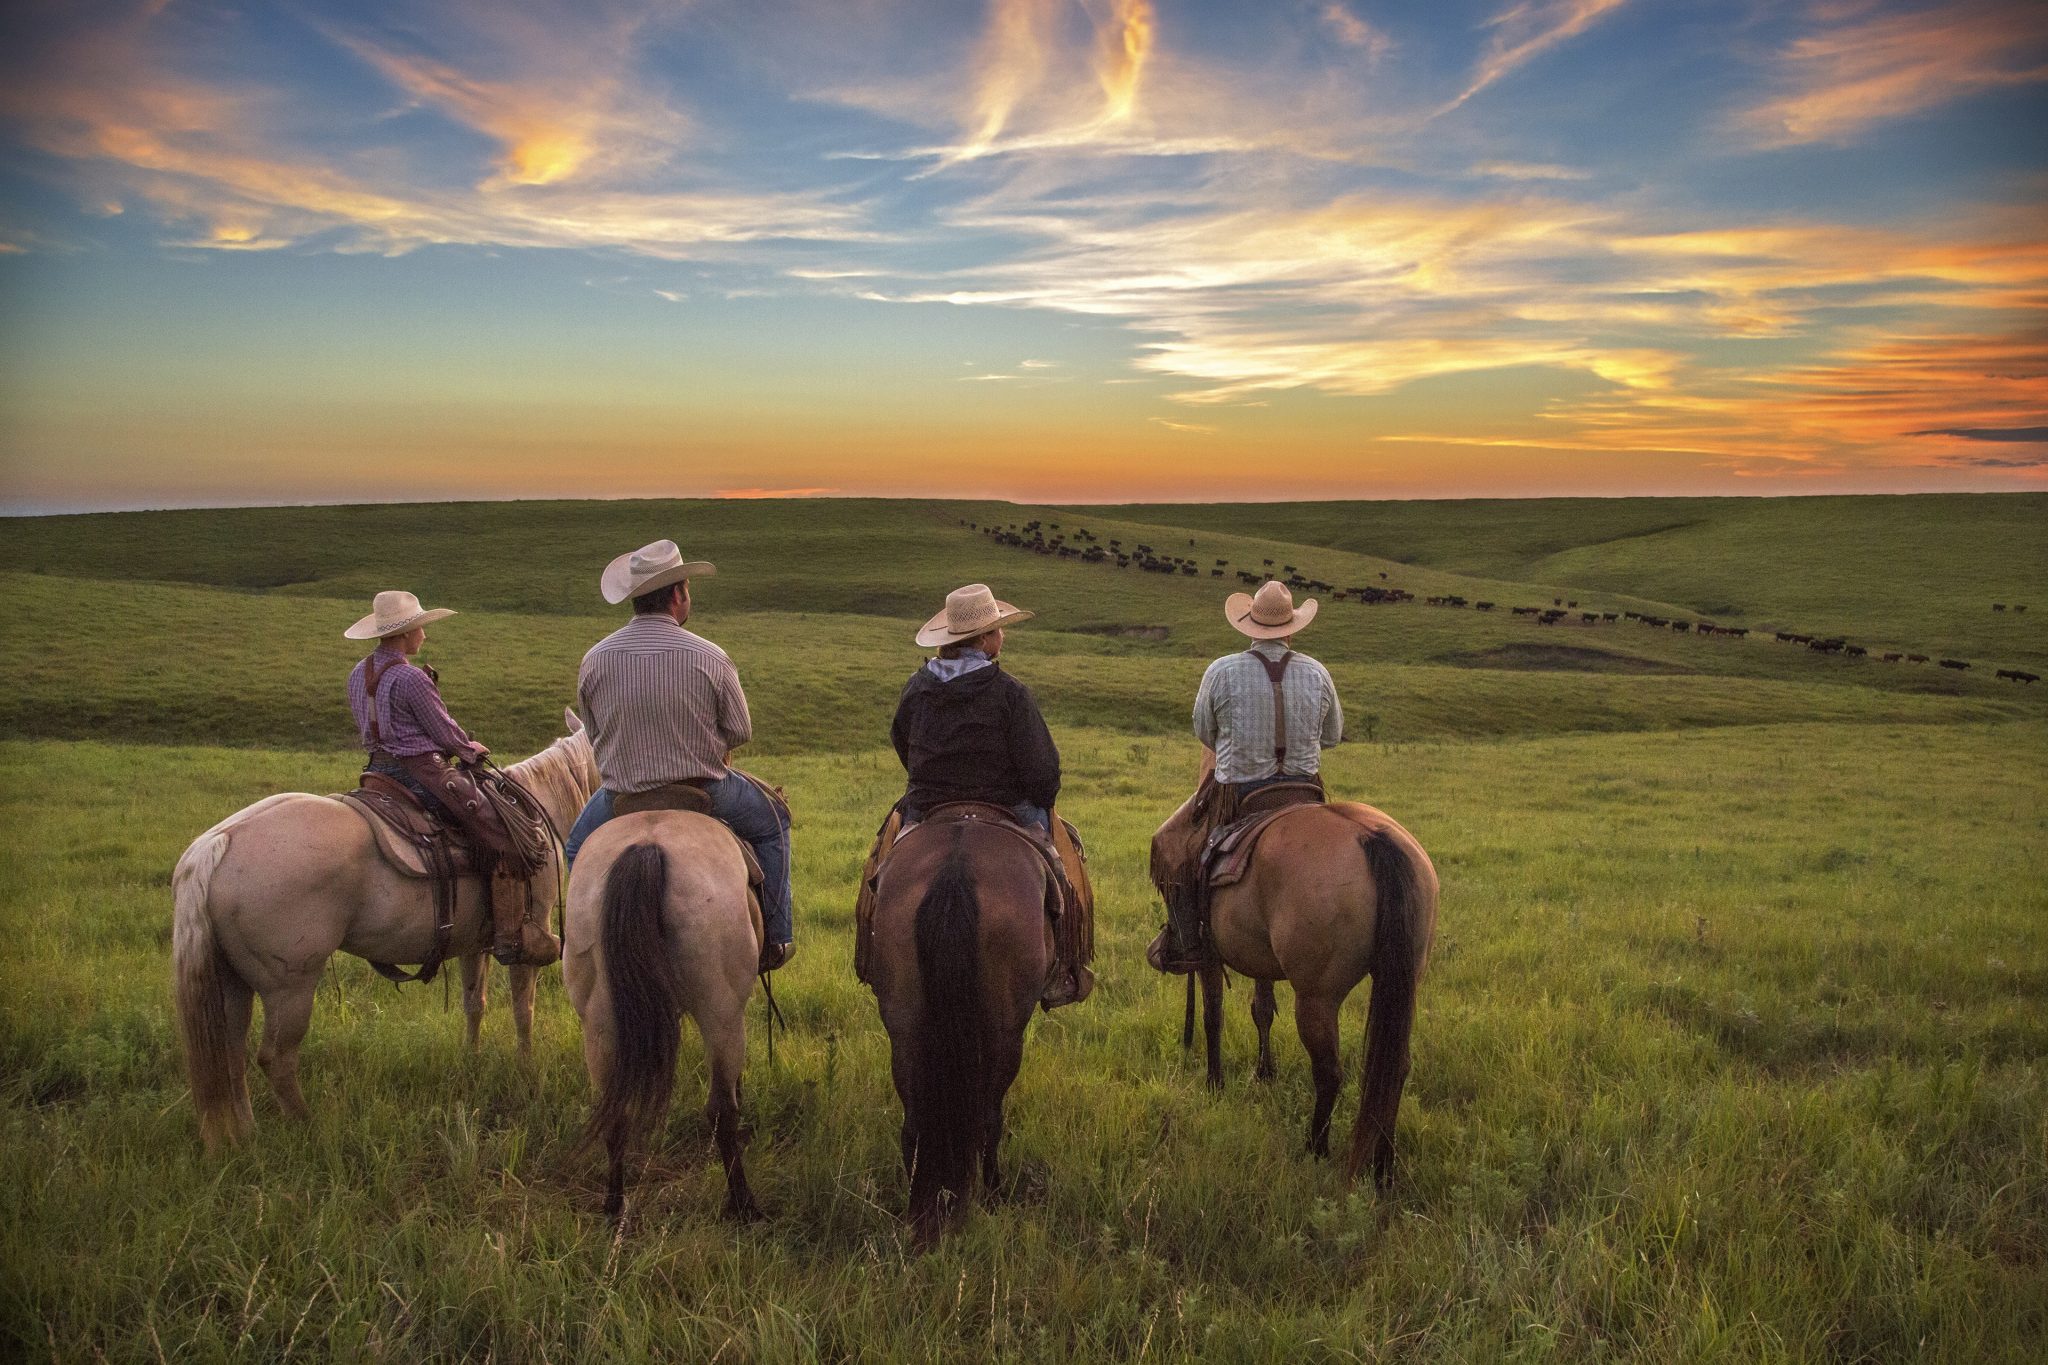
(688, 796)
(417, 843)
(412, 839)
(1227, 852)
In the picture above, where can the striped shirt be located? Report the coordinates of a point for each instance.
(661, 704)
(411, 719)
(1234, 714)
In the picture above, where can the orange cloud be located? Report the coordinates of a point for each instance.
(1858, 69)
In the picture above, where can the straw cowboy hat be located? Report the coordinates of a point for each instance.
(650, 567)
(970, 611)
(1270, 614)
(393, 613)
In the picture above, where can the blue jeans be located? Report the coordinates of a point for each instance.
(1029, 814)
(747, 811)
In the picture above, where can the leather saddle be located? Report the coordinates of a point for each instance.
(688, 796)
(1228, 852)
(1059, 893)
(413, 840)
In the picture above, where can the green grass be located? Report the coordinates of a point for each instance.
(1731, 1047)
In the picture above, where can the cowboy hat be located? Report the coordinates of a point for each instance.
(1270, 614)
(393, 613)
(648, 568)
(970, 611)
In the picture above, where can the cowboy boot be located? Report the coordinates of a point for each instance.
(517, 940)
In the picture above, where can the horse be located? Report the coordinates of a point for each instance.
(1334, 892)
(266, 896)
(960, 953)
(661, 922)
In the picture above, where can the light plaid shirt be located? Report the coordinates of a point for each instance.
(661, 704)
(1234, 714)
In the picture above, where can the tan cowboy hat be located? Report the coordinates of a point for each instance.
(1270, 614)
(650, 567)
(970, 611)
(393, 613)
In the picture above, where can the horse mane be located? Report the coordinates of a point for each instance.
(565, 771)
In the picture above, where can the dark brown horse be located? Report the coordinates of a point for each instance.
(960, 954)
(1334, 893)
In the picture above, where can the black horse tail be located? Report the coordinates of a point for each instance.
(950, 1071)
(647, 1011)
(1391, 1015)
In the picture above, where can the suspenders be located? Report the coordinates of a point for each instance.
(1274, 672)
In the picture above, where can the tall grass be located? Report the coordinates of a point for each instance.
(1730, 1048)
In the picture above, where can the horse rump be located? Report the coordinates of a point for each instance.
(947, 1098)
(646, 1004)
(1391, 1015)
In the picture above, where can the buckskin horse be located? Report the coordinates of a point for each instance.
(661, 923)
(1333, 892)
(960, 953)
(266, 896)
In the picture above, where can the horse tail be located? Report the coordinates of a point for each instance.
(950, 1072)
(1391, 1015)
(200, 974)
(647, 1010)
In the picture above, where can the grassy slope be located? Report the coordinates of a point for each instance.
(1729, 1050)
(1917, 572)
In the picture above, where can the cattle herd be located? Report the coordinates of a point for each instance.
(1051, 540)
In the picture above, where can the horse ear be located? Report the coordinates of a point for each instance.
(575, 722)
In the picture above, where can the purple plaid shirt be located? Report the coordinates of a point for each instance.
(409, 710)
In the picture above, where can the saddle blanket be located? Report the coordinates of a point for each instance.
(403, 829)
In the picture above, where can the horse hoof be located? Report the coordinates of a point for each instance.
(744, 1211)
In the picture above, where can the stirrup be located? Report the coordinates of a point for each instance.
(1179, 965)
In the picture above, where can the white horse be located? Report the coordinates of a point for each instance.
(661, 923)
(266, 896)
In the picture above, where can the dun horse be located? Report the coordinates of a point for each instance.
(266, 896)
(960, 955)
(661, 923)
(1334, 892)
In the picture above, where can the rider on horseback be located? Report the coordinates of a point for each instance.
(664, 708)
(966, 731)
(1263, 715)
(412, 739)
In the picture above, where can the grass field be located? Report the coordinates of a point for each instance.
(1731, 1047)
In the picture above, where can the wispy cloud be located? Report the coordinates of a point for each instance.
(1350, 30)
(1860, 67)
(1187, 428)
(1526, 30)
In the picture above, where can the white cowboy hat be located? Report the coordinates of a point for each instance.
(970, 611)
(650, 567)
(393, 613)
(1270, 614)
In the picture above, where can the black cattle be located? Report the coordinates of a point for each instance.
(1589, 617)
(1998, 606)
(1892, 657)
(1916, 658)
(1858, 650)
(1215, 573)
(1557, 601)
(2018, 676)
(1482, 606)
(2021, 607)
(1608, 616)
(1269, 563)
(1956, 664)
(1383, 578)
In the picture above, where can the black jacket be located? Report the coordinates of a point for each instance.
(979, 737)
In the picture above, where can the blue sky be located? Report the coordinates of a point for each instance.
(1032, 248)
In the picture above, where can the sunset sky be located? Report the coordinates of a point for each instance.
(1055, 250)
